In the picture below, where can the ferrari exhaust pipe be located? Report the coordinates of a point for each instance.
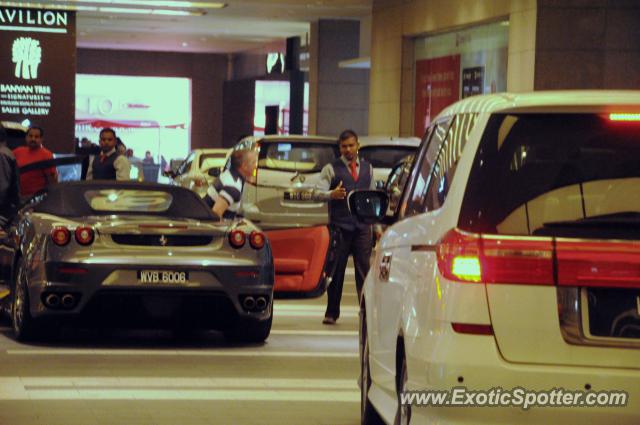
(261, 303)
(249, 303)
(68, 300)
(52, 300)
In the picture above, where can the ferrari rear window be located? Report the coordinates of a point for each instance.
(79, 199)
(114, 200)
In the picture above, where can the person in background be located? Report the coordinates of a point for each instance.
(121, 148)
(109, 165)
(148, 159)
(34, 181)
(337, 179)
(9, 180)
(225, 194)
(86, 149)
(164, 165)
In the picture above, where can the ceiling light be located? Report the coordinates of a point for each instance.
(70, 5)
(155, 3)
(125, 10)
(48, 6)
(170, 12)
(105, 9)
(166, 12)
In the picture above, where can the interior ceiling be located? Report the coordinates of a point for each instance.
(242, 25)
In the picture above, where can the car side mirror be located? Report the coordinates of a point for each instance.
(368, 206)
(214, 172)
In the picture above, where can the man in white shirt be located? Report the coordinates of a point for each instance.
(109, 165)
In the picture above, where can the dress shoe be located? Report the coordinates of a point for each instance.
(329, 321)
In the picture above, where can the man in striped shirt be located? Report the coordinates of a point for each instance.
(225, 194)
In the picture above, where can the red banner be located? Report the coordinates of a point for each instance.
(437, 86)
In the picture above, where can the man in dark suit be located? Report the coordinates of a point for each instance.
(110, 164)
(337, 179)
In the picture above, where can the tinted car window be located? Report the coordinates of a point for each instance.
(397, 181)
(447, 162)
(291, 156)
(554, 174)
(211, 160)
(186, 164)
(384, 156)
(416, 201)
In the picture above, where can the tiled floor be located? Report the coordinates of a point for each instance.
(305, 374)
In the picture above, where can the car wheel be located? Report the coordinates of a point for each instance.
(368, 414)
(24, 327)
(250, 330)
(403, 415)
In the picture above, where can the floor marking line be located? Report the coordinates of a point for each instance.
(313, 332)
(319, 314)
(184, 353)
(351, 396)
(165, 383)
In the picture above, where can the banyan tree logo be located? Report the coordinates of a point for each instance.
(27, 55)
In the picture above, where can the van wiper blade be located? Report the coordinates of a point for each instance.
(621, 218)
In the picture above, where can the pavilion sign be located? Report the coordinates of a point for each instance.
(37, 71)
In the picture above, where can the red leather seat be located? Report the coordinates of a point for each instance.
(299, 256)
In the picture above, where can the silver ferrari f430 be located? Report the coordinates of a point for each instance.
(135, 255)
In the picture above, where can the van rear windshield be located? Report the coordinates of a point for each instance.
(574, 175)
(296, 157)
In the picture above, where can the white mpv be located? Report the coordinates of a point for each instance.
(513, 266)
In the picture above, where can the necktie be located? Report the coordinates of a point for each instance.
(354, 171)
(103, 157)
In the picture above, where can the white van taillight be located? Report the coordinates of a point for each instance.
(84, 235)
(624, 117)
(469, 257)
(459, 256)
(60, 236)
(598, 263)
(515, 259)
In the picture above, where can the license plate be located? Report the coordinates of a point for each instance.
(162, 276)
(614, 313)
(302, 195)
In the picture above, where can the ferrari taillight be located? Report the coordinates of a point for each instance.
(256, 240)
(237, 238)
(84, 235)
(60, 236)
